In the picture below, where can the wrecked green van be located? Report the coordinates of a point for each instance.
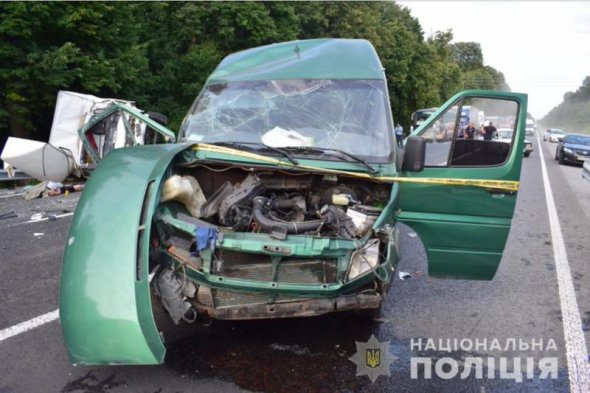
(281, 199)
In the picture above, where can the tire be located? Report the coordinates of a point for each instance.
(560, 159)
(528, 153)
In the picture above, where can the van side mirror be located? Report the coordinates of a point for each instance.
(415, 153)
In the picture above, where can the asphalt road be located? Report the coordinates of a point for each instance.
(522, 302)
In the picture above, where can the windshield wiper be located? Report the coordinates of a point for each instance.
(259, 146)
(309, 149)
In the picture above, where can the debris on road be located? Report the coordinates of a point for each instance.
(37, 217)
(38, 234)
(36, 191)
(412, 234)
(66, 190)
(107, 124)
(404, 275)
(382, 320)
(10, 214)
(54, 185)
(49, 188)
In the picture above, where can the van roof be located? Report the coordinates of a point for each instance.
(304, 59)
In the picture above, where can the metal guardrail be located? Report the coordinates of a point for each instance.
(18, 175)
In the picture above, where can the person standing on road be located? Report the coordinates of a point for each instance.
(489, 131)
(469, 131)
(399, 135)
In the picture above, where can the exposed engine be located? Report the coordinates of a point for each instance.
(280, 205)
(224, 203)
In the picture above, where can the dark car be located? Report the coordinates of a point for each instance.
(574, 148)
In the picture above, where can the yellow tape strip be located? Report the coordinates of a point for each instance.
(507, 185)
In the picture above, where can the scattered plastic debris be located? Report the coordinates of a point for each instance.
(37, 234)
(404, 275)
(412, 234)
(37, 217)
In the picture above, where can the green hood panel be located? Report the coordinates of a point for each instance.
(105, 306)
(307, 59)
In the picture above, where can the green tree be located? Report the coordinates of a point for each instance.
(573, 113)
(468, 55)
(160, 54)
(46, 47)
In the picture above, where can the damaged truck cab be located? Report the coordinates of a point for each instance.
(281, 200)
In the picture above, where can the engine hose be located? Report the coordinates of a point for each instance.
(266, 224)
(284, 204)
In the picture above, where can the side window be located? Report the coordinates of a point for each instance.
(475, 132)
(439, 137)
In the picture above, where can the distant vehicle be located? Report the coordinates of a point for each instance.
(574, 148)
(553, 135)
(531, 126)
(528, 147)
(85, 129)
(471, 114)
(421, 115)
(505, 135)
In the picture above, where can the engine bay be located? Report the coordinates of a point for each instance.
(279, 204)
(235, 242)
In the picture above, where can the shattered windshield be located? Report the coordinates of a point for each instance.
(349, 115)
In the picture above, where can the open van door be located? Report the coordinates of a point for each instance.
(463, 209)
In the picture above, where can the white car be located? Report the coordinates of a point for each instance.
(505, 135)
(553, 135)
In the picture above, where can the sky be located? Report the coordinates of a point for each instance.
(542, 47)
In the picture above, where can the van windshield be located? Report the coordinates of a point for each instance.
(349, 115)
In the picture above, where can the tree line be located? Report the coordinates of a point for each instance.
(159, 54)
(573, 114)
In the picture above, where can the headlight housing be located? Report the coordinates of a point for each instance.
(364, 260)
(569, 151)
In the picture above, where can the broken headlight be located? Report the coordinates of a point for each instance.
(364, 260)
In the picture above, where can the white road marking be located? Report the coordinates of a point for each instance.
(28, 325)
(578, 364)
(48, 218)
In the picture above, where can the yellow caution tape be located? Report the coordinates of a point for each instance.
(507, 185)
